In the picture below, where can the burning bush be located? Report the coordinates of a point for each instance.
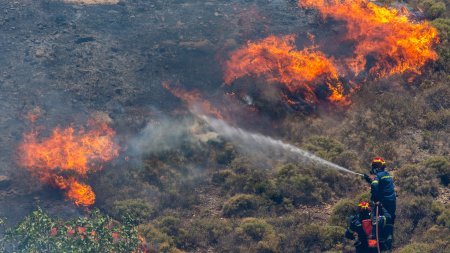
(396, 44)
(278, 60)
(67, 155)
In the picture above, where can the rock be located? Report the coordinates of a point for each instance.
(5, 182)
(40, 52)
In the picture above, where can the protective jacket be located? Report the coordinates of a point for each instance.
(362, 226)
(382, 188)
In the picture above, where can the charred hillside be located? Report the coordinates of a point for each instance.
(220, 126)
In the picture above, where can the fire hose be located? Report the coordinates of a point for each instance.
(376, 228)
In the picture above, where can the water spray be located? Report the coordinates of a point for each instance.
(241, 136)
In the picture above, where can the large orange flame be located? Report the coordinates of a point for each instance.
(397, 44)
(276, 59)
(68, 154)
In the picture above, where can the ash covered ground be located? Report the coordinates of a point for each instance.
(70, 60)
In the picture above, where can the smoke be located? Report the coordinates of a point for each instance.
(157, 136)
(167, 134)
(263, 146)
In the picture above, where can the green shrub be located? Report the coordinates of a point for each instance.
(209, 231)
(299, 187)
(222, 177)
(415, 248)
(415, 209)
(441, 167)
(169, 225)
(433, 9)
(324, 147)
(437, 98)
(226, 155)
(417, 180)
(155, 239)
(242, 205)
(252, 229)
(343, 209)
(444, 219)
(443, 26)
(139, 210)
(438, 237)
(439, 120)
(314, 238)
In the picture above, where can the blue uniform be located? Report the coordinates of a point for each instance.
(383, 191)
(382, 187)
(356, 226)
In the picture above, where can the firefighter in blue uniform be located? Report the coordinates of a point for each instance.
(383, 192)
(360, 229)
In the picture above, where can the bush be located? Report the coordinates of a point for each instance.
(415, 248)
(242, 205)
(343, 209)
(438, 237)
(444, 219)
(138, 210)
(417, 180)
(314, 238)
(437, 98)
(209, 231)
(443, 26)
(300, 188)
(155, 239)
(439, 120)
(252, 229)
(415, 209)
(325, 147)
(97, 233)
(441, 167)
(222, 177)
(433, 9)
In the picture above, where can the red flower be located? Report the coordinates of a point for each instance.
(115, 236)
(53, 231)
(70, 231)
(81, 230)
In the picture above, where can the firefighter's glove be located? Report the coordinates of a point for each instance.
(367, 178)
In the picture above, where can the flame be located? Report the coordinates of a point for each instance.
(194, 100)
(80, 193)
(277, 59)
(397, 44)
(71, 151)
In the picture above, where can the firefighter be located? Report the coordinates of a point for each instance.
(361, 229)
(383, 192)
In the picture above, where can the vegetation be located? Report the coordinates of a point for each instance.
(211, 198)
(96, 233)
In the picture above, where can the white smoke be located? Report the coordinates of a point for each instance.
(256, 144)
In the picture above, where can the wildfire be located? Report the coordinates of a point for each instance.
(68, 154)
(387, 35)
(278, 60)
(194, 100)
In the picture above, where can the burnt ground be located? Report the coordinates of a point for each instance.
(71, 60)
